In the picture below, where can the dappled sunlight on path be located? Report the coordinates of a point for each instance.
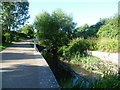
(23, 67)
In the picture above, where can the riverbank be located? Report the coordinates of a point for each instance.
(75, 74)
(94, 65)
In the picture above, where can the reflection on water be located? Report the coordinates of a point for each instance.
(80, 75)
(69, 75)
(82, 72)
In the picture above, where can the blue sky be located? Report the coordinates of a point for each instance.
(83, 11)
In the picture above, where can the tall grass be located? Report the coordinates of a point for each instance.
(108, 45)
(111, 45)
(109, 81)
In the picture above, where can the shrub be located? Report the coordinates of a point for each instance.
(64, 52)
(75, 46)
(89, 61)
(108, 45)
(110, 29)
(7, 36)
(92, 43)
(3, 38)
(78, 45)
(111, 45)
(111, 81)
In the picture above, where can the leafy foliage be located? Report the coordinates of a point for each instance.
(28, 30)
(108, 45)
(75, 46)
(78, 46)
(7, 35)
(90, 31)
(109, 30)
(16, 36)
(111, 81)
(54, 30)
(13, 14)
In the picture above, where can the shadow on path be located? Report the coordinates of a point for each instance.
(23, 67)
(18, 56)
(21, 45)
(29, 75)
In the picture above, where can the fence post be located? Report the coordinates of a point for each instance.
(34, 44)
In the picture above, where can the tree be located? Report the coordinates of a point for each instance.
(28, 30)
(81, 31)
(91, 31)
(54, 30)
(13, 15)
(110, 29)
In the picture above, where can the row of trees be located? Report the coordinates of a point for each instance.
(107, 27)
(28, 30)
(13, 15)
(58, 29)
(90, 30)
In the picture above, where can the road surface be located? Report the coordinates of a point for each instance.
(23, 67)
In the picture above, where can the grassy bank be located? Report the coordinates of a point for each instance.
(74, 54)
(95, 65)
(108, 72)
(5, 45)
(110, 45)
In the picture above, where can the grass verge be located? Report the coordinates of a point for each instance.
(5, 45)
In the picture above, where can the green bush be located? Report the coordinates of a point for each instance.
(64, 51)
(109, 30)
(92, 43)
(108, 45)
(77, 45)
(7, 36)
(89, 61)
(3, 38)
(15, 37)
(104, 44)
(109, 81)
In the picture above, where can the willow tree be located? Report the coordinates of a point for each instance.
(54, 30)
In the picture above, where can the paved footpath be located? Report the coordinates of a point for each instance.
(23, 67)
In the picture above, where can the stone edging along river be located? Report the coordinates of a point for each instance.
(105, 56)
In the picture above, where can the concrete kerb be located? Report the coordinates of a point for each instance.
(38, 53)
